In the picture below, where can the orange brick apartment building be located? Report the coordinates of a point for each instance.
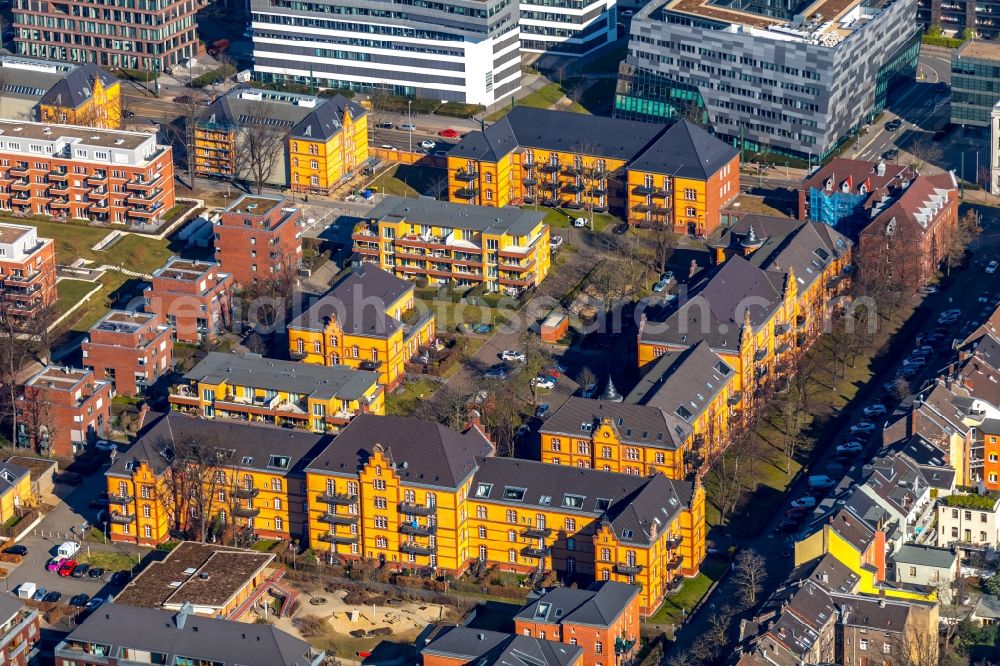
(80, 172)
(19, 630)
(62, 410)
(129, 349)
(27, 271)
(258, 238)
(194, 297)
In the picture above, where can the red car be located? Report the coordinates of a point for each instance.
(66, 568)
(448, 133)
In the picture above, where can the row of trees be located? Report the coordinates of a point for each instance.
(22, 342)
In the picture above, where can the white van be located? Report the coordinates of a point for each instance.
(68, 549)
(26, 590)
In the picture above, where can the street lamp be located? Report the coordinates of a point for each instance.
(409, 123)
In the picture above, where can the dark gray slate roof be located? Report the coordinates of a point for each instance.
(10, 474)
(715, 313)
(358, 303)
(210, 639)
(255, 444)
(928, 556)
(489, 648)
(425, 453)
(686, 151)
(309, 379)
(426, 210)
(598, 606)
(988, 606)
(683, 383)
(77, 86)
(527, 127)
(326, 119)
(635, 506)
(635, 424)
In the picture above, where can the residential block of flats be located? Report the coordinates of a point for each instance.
(505, 249)
(15, 490)
(27, 272)
(62, 410)
(413, 493)
(122, 633)
(258, 487)
(105, 33)
(460, 646)
(677, 176)
(902, 219)
(969, 518)
(20, 629)
(130, 350)
(259, 238)
(282, 393)
(788, 79)
(68, 171)
(59, 92)
(323, 139)
(366, 321)
(193, 297)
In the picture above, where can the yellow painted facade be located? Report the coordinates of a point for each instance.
(319, 165)
(215, 150)
(139, 510)
(103, 109)
(385, 352)
(446, 252)
(16, 497)
(604, 449)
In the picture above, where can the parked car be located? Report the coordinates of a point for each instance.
(991, 267)
(907, 372)
(659, 287)
(81, 570)
(427, 144)
(874, 410)
(543, 382)
(927, 290)
(667, 276)
(16, 550)
(52, 597)
(120, 578)
(556, 242)
(384, 125)
(66, 568)
(821, 482)
(80, 600)
(580, 222)
(482, 329)
(54, 564)
(805, 502)
(850, 448)
(94, 603)
(894, 125)
(408, 127)
(95, 572)
(498, 371)
(890, 154)
(513, 355)
(448, 133)
(40, 594)
(915, 361)
(541, 410)
(863, 428)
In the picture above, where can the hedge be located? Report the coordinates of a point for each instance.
(941, 40)
(138, 74)
(219, 73)
(455, 110)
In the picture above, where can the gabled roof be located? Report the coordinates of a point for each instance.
(598, 606)
(854, 531)
(634, 424)
(246, 446)
(493, 648)
(424, 453)
(358, 303)
(77, 87)
(916, 209)
(194, 637)
(326, 119)
(10, 475)
(683, 383)
(685, 151)
(928, 556)
(635, 507)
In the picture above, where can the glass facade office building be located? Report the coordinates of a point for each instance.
(975, 83)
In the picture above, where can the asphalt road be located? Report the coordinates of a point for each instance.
(962, 293)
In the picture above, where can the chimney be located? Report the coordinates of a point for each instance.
(474, 420)
(181, 616)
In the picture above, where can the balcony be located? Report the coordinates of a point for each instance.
(536, 532)
(122, 518)
(538, 552)
(413, 509)
(675, 541)
(781, 329)
(467, 176)
(551, 185)
(550, 168)
(120, 499)
(24, 281)
(18, 171)
(800, 321)
(628, 569)
(60, 176)
(531, 181)
(516, 268)
(330, 537)
(467, 192)
(245, 512)
(417, 529)
(675, 564)
(98, 178)
(415, 548)
(338, 519)
(643, 190)
(573, 171)
(144, 184)
(343, 499)
(528, 166)
(516, 282)
(246, 493)
(641, 208)
(20, 186)
(572, 188)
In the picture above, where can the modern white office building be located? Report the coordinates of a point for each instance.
(567, 27)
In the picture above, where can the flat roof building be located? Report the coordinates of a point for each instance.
(975, 83)
(27, 271)
(62, 410)
(792, 79)
(259, 238)
(129, 349)
(193, 296)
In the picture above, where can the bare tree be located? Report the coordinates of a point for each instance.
(733, 469)
(182, 133)
(665, 242)
(22, 339)
(37, 419)
(957, 240)
(438, 187)
(749, 574)
(587, 378)
(259, 149)
(923, 153)
(265, 300)
(255, 344)
(502, 415)
(193, 479)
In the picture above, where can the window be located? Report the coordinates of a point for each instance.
(570, 524)
(379, 484)
(661, 458)
(277, 503)
(913, 571)
(380, 503)
(279, 524)
(381, 542)
(512, 536)
(511, 516)
(381, 522)
(863, 644)
(570, 544)
(606, 452)
(605, 554)
(482, 532)
(481, 512)
(583, 448)
(886, 648)
(145, 511)
(276, 485)
(691, 211)
(598, 647)
(556, 445)
(512, 556)
(147, 531)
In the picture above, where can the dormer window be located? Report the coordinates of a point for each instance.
(484, 489)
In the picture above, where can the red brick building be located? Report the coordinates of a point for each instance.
(193, 297)
(27, 271)
(61, 410)
(110, 33)
(259, 238)
(68, 171)
(19, 630)
(603, 620)
(131, 350)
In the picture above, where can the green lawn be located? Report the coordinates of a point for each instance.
(71, 292)
(562, 219)
(543, 98)
(692, 591)
(402, 180)
(74, 241)
(403, 401)
(112, 561)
